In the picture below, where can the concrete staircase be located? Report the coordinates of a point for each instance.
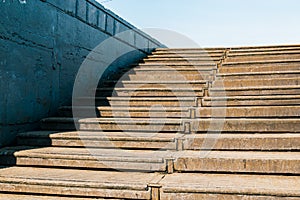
(183, 124)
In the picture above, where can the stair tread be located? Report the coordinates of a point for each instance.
(36, 197)
(140, 108)
(78, 178)
(265, 53)
(111, 136)
(259, 73)
(151, 89)
(232, 184)
(285, 87)
(117, 155)
(261, 62)
(253, 97)
(143, 155)
(161, 81)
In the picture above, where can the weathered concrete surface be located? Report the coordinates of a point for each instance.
(248, 185)
(84, 184)
(36, 197)
(43, 43)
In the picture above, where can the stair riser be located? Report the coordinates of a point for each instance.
(86, 191)
(189, 60)
(171, 93)
(248, 83)
(142, 103)
(157, 68)
(131, 127)
(188, 51)
(214, 196)
(183, 62)
(105, 144)
(258, 68)
(262, 58)
(237, 165)
(145, 114)
(257, 76)
(266, 49)
(254, 93)
(167, 85)
(169, 77)
(174, 73)
(185, 55)
(252, 126)
(94, 164)
(244, 144)
(249, 112)
(262, 102)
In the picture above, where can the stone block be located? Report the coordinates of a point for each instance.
(68, 6)
(81, 8)
(110, 25)
(92, 14)
(140, 41)
(101, 19)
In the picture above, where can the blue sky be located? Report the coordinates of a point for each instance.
(217, 22)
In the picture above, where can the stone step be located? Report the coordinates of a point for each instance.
(163, 141)
(244, 125)
(255, 91)
(229, 186)
(183, 62)
(187, 70)
(137, 160)
(150, 92)
(263, 56)
(156, 68)
(260, 63)
(189, 50)
(167, 74)
(114, 124)
(271, 52)
(187, 55)
(77, 183)
(171, 76)
(239, 162)
(265, 48)
(249, 112)
(106, 140)
(142, 124)
(175, 65)
(115, 159)
(155, 84)
(250, 101)
(259, 75)
(242, 142)
(138, 101)
(145, 112)
(257, 82)
(264, 67)
(7, 196)
(206, 59)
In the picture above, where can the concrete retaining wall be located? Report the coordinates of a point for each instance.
(42, 45)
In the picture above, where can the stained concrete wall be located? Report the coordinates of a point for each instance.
(42, 45)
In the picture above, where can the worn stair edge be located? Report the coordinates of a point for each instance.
(17, 196)
(261, 62)
(230, 184)
(261, 111)
(82, 183)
